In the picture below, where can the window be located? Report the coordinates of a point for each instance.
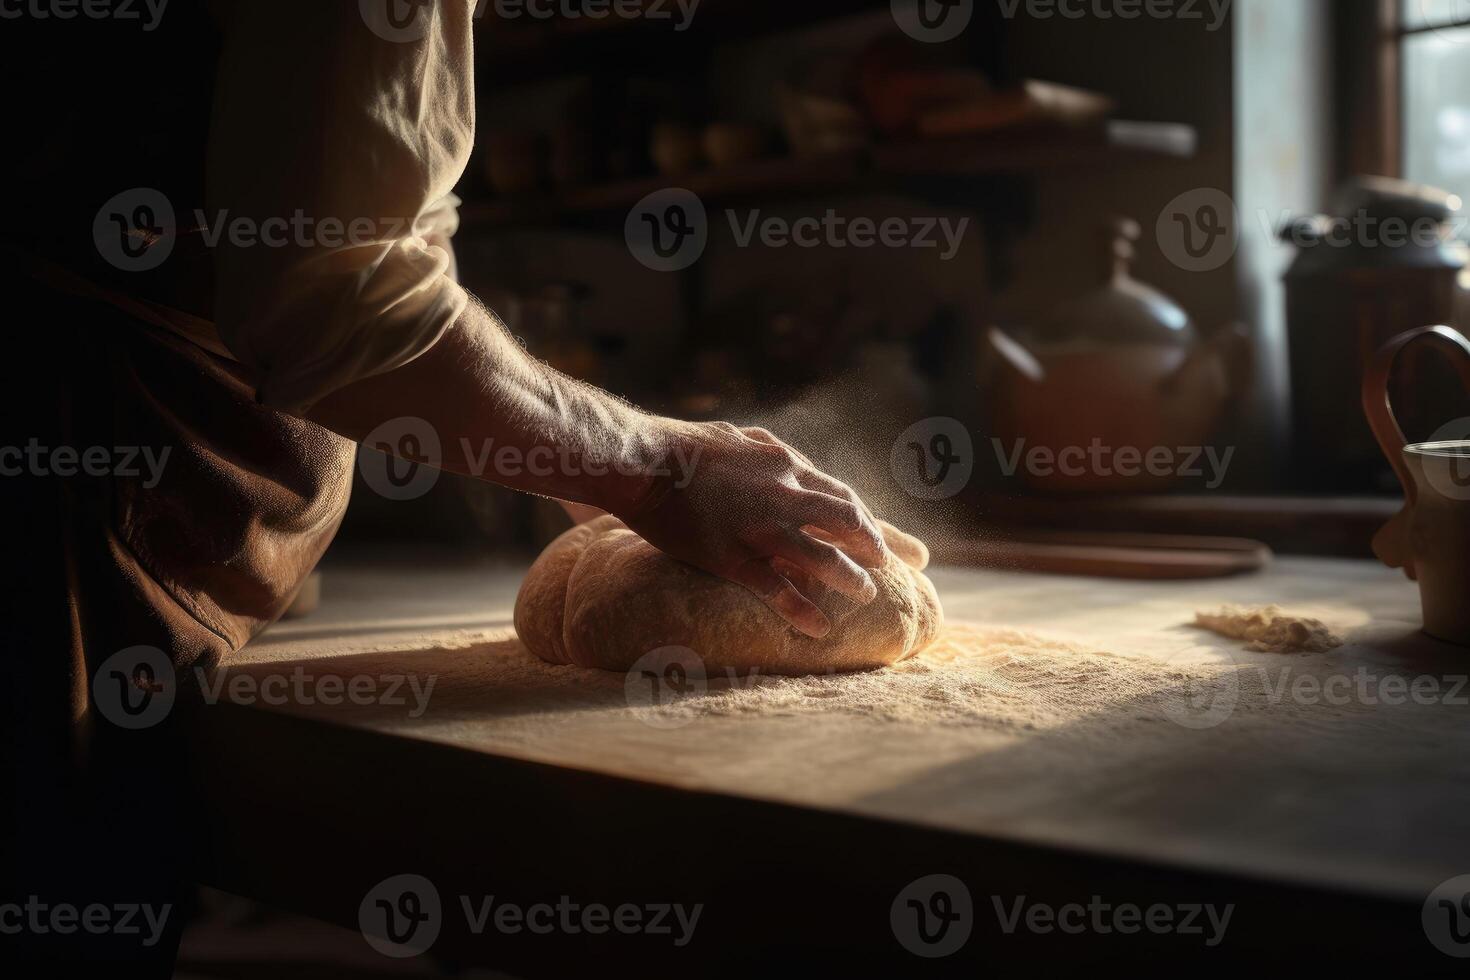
(1434, 47)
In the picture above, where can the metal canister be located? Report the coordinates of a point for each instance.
(1383, 262)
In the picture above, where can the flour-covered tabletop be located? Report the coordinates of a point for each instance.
(1065, 734)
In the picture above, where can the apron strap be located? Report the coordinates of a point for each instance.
(195, 329)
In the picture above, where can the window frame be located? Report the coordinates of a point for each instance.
(1370, 115)
(1369, 74)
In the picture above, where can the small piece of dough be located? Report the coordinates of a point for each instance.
(600, 596)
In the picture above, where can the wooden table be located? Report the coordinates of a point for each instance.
(1326, 825)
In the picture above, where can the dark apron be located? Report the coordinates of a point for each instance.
(193, 565)
(193, 558)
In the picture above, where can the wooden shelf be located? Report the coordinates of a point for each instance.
(1034, 150)
(526, 50)
(775, 177)
(1017, 152)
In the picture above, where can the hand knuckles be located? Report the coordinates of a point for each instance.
(778, 455)
(792, 457)
(853, 515)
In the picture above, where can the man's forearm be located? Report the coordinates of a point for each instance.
(503, 416)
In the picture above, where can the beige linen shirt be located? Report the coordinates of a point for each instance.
(338, 136)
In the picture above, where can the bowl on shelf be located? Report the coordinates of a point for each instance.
(515, 161)
(730, 144)
(675, 148)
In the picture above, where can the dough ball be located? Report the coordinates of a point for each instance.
(600, 596)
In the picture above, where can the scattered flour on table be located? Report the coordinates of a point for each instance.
(996, 678)
(1270, 630)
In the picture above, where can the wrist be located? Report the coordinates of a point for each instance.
(650, 477)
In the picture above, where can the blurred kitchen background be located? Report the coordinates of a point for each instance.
(1090, 151)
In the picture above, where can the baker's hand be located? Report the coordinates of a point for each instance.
(739, 502)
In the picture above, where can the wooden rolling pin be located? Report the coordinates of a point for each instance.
(1111, 555)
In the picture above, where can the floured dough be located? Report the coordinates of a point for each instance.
(600, 596)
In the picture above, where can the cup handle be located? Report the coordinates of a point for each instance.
(1391, 544)
(1378, 405)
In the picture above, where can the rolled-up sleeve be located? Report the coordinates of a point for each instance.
(334, 152)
